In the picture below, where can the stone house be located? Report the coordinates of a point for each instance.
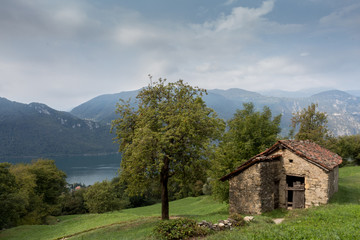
(290, 174)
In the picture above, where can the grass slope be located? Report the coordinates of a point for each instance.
(338, 220)
(130, 221)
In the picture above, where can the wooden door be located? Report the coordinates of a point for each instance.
(298, 199)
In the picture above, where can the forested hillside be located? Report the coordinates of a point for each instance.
(36, 129)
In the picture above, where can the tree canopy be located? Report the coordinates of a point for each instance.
(12, 204)
(165, 138)
(311, 124)
(348, 147)
(30, 192)
(249, 133)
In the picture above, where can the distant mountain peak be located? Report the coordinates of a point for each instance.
(41, 108)
(333, 94)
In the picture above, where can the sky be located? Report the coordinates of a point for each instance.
(64, 52)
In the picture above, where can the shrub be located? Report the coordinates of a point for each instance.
(101, 197)
(73, 202)
(181, 228)
(238, 220)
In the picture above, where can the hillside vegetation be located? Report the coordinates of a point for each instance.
(38, 130)
(338, 220)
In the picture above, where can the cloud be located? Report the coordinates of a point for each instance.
(90, 50)
(79, 49)
(345, 17)
(69, 17)
(255, 75)
(240, 18)
(304, 54)
(230, 2)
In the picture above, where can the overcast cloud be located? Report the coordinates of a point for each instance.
(63, 52)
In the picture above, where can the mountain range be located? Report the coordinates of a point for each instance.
(36, 129)
(342, 108)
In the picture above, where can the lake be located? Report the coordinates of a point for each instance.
(85, 169)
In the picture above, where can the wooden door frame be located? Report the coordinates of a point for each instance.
(298, 192)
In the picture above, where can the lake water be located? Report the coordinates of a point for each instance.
(85, 169)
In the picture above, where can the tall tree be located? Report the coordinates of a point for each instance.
(40, 184)
(348, 147)
(249, 133)
(11, 201)
(165, 138)
(102, 197)
(312, 125)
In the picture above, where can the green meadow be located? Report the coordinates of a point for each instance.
(340, 219)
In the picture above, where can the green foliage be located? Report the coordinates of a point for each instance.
(122, 224)
(238, 220)
(181, 228)
(39, 186)
(338, 220)
(348, 147)
(326, 222)
(73, 202)
(207, 188)
(50, 181)
(11, 201)
(102, 197)
(312, 125)
(165, 139)
(61, 132)
(149, 197)
(249, 133)
(349, 186)
(277, 213)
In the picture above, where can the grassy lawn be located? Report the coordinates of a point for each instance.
(338, 220)
(133, 223)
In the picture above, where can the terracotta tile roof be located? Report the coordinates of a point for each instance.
(313, 153)
(308, 150)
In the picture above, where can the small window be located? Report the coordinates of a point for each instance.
(290, 160)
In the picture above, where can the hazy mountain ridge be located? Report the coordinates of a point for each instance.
(102, 108)
(35, 129)
(342, 108)
(343, 111)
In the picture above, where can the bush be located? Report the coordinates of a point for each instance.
(181, 228)
(102, 197)
(238, 220)
(73, 202)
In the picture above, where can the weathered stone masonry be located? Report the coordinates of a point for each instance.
(287, 175)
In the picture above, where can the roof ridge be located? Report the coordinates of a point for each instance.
(306, 149)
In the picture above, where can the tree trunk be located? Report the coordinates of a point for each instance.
(164, 178)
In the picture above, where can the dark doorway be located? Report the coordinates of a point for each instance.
(295, 192)
(291, 180)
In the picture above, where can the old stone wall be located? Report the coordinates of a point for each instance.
(316, 179)
(253, 191)
(263, 186)
(333, 181)
(244, 192)
(269, 172)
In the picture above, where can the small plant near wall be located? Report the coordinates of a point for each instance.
(181, 228)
